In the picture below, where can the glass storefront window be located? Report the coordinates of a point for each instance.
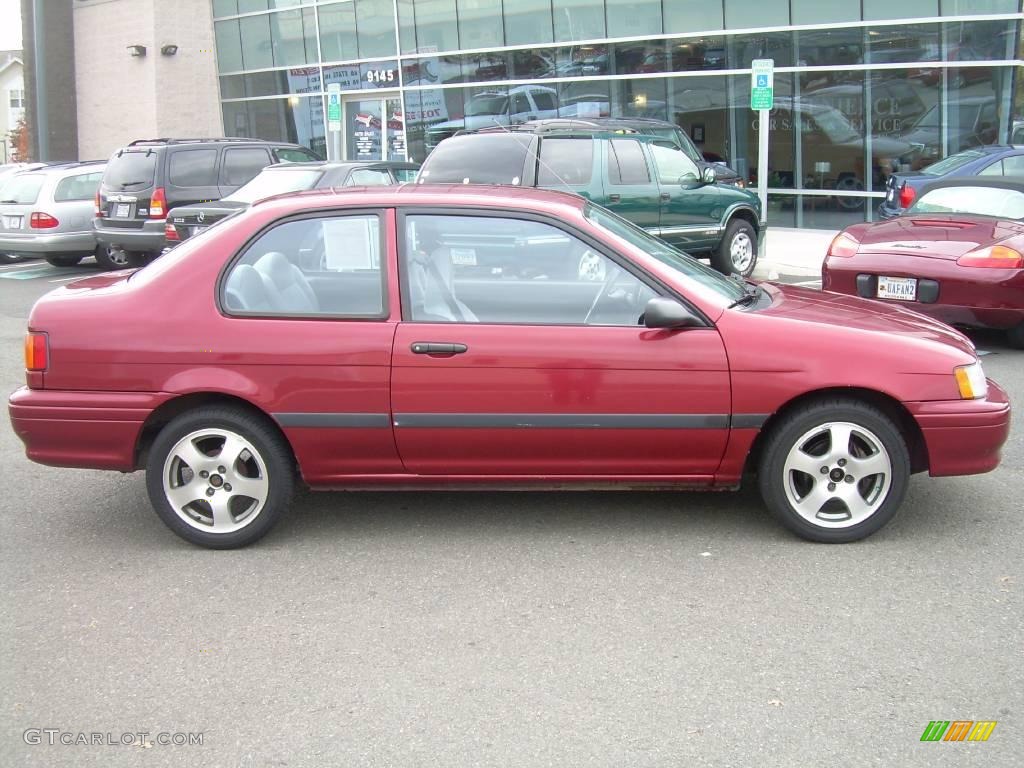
(830, 47)
(293, 37)
(887, 9)
(979, 40)
(579, 19)
(693, 17)
(965, 7)
(584, 99)
(479, 23)
(743, 49)
(902, 43)
(824, 11)
(257, 51)
(528, 21)
(749, 14)
(225, 7)
(229, 46)
(640, 98)
(699, 105)
(375, 27)
(338, 32)
(296, 119)
(633, 17)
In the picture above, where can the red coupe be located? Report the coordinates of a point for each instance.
(330, 337)
(957, 254)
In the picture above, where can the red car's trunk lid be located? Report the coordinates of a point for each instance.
(935, 236)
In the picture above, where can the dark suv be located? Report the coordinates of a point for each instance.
(646, 179)
(149, 177)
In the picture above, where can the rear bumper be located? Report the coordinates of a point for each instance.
(91, 430)
(47, 244)
(964, 437)
(149, 239)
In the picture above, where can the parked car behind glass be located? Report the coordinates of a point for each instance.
(48, 212)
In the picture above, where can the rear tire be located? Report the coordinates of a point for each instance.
(826, 491)
(63, 261)
(112, 257)
(220, 477)
(737, 253)
(1016, 336)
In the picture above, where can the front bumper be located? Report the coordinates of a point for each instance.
(964, 437)
(18, 244)
(91, 430)
(149, 239)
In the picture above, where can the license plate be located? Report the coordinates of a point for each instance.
(463, 257)
(12, 222)
(900, 288)
(123, 210)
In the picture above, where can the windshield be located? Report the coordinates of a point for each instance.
(665, 253)
(267, 183)
(679, 136)
(980, 201)
(487, 105)
(952, 163)
(22, 189)
(130, 169)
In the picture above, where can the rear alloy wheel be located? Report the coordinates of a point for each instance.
(737, 253)
(62, 261)
(1016, 336)
(112, 257)
(834, 471)
(219, 477)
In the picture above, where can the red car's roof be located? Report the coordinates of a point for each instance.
(497, 196)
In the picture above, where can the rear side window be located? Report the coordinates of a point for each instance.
(193, 168)
(368, 177)
(481, 159)
(80, 187)
(565, 161)
(626, 162)
(131, 170)
(242, 165)
(22, 189)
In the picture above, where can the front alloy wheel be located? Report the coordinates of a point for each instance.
(219, 477)
(834, 470)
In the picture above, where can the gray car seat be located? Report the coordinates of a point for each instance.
(287, 286)
(246, 291)
(432, 288)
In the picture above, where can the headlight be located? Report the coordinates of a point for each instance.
(971, 381)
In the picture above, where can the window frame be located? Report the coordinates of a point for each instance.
(322, 213)
(659, 287)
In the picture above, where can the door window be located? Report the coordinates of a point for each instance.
(319, 267)
(565, 161)
(193, 168)
(1013, 166)
(674, 167)
(626, 163)
(996, 169)
(291, 155)
(485, 269)
(242, 165)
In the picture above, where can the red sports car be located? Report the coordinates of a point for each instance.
(957, 254)
(329, 337)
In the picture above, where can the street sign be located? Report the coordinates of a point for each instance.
(762, 84)
(334, 106)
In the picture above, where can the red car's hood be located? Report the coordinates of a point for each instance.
(936, 236)
(854, 313)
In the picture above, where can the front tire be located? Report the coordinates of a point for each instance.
(835, 470)
(1016, 336)
(219, 477)
(737, 253)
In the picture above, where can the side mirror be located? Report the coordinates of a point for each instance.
(709, 176)
(662, 312)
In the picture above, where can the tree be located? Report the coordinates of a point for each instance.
(18, 138)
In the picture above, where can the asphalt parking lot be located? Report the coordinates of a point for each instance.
(518, 629)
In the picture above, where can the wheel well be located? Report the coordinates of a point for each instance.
(747, 215)
(164, 414)
(890, 406)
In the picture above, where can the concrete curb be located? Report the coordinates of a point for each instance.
(793, 252)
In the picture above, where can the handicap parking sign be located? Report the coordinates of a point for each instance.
(762, 81)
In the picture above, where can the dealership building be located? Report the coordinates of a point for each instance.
(862, 88)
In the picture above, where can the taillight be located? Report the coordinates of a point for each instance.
(844, 245)
(36, 351)
(997, 256)
(97, 211)
(170, 232)
(42, 221)
(158, 204)
(907, 195)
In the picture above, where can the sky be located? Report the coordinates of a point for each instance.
(10, 25)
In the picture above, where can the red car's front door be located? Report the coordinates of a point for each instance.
(522, 354)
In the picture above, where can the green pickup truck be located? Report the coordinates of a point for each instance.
(645, 179)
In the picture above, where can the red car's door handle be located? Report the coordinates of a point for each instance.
(437, 348)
